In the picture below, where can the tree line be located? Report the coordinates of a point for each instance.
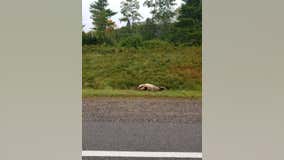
(180, 26)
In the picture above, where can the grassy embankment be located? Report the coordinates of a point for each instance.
(134, 93)
(115, 71)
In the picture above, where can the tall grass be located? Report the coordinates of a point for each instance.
(178, 68)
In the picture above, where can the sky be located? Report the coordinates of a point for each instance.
(114, 5)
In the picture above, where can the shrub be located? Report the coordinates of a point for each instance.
(89, 38)
(156, 43)
(133, 41)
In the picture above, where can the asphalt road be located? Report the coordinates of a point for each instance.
(141, 124)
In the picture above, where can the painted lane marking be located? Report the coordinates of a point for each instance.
(89, 153)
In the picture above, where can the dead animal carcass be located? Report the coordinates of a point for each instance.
(150, 87)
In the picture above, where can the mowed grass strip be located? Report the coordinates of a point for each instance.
(195, 94)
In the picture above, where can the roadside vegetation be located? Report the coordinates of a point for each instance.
(194, 94)
(177, 68)
(164, 50)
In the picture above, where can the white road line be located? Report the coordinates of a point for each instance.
(142, 154)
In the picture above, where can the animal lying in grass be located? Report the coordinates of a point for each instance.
(150, 87)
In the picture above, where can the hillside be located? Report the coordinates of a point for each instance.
(178, 68)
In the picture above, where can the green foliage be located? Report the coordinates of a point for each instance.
(186, 30)
(157, 51)
(189, 26)
(100, 49)
(129, 10)
(156, 43)
(178, 68)
(133, 41)
(162, 10)
(196, 94)
(100, 17)
(89, 38)
(148, 29)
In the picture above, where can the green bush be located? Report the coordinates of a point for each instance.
(89, 38)
(156, 43)
(133, 41)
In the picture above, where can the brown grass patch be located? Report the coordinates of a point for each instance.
(188, 72)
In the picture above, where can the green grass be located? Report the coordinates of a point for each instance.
(115, 69)
(135, 93)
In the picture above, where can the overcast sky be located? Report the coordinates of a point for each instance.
(115, 6)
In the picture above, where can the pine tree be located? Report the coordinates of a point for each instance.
(190, 22)
(190, 14)
(101, 15)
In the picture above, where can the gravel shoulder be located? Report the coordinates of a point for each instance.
(138, 109)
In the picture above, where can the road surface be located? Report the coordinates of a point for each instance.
(141, 124)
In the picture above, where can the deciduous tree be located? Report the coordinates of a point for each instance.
(129, 10)
(162, 10)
